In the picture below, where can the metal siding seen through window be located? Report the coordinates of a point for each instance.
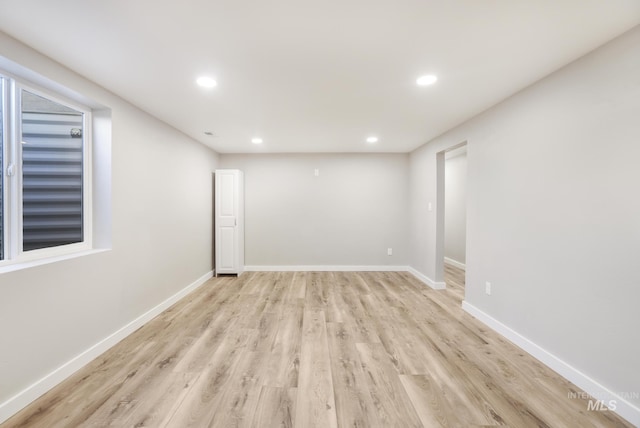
(52, 173)
(2, 101)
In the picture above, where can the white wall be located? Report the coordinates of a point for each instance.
(554, 213)
(348, 215)
(161, 223)
(455, 207)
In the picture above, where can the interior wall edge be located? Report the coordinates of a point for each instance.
(436, 285)
(22, 399)
(622, 407)
(594, 101)
(455, 263)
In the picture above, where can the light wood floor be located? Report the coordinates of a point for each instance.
(315, 349)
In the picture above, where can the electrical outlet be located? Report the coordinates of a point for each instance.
(316, 172)
(389, 251)
(487, 288)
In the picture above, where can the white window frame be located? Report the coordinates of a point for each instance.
(12, 188)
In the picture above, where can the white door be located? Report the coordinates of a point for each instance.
(226, 222)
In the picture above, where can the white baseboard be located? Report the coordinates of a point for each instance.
(16, 403)
(316, 268)
(623, 407)
(436, 285)
(323, 268)
(455, 263)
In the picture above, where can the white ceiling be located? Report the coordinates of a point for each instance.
(316, 76)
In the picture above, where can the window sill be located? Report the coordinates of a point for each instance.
(46, 260)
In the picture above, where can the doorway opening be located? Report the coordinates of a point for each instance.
(452, 217)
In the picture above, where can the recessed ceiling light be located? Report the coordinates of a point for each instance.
(426, 80)
(372, 139)
(256, 140)
(206, 82)
(209, 133)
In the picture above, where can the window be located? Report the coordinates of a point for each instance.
(2, 120)
(45, 183)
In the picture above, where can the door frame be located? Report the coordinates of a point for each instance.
(440, 213)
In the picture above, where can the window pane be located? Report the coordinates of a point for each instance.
(2, 101)
(52, 145)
